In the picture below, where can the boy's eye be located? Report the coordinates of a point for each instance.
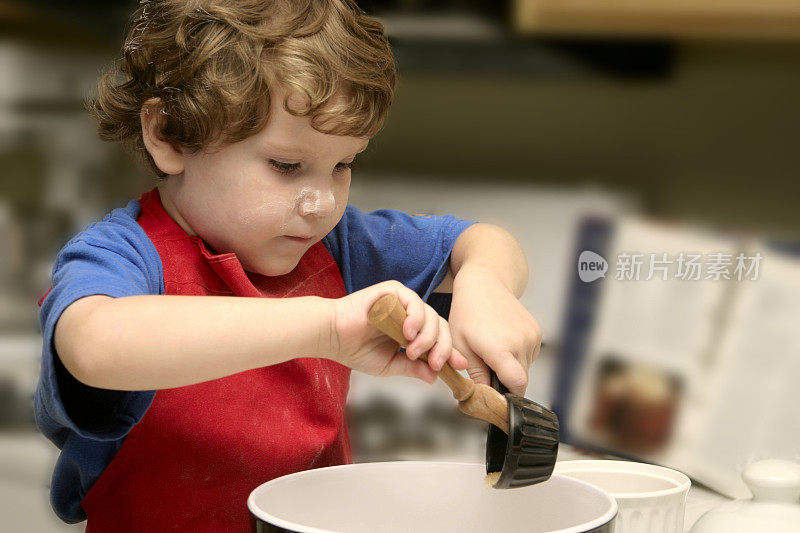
(284, 168)
(341, 167)
(290, 168)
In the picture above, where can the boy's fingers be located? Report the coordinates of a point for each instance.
(427, 336)
(415, 311)
(441, 347)
(478, 371)
(509, 370)
(457, 360)
(440, 352)
(423, 371)
(510, 373)
(400, 365)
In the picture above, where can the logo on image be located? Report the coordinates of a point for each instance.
(591, 266)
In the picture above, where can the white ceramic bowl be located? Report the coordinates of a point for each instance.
(425, 497)
(651, 499)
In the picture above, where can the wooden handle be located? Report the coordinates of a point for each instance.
(480, 401)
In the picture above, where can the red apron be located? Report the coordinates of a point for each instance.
(201, 449)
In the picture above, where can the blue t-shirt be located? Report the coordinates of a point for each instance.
(115, 257)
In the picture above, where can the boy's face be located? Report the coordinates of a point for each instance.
(259, 196)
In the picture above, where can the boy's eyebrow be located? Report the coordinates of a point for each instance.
(299, 149)
(286, 148)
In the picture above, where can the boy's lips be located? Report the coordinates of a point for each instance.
(300, 239)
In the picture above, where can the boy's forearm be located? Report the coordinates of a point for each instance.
(486, 249)
(157, 342)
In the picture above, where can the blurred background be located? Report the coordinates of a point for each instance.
(635, 126)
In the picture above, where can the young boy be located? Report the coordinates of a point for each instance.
(199, 342)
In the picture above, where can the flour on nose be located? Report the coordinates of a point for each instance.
(310, 200)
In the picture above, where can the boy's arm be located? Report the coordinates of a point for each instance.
(492, 249)
(156, 342)
(489, 325)
(163, 341)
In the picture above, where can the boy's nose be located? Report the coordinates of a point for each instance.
(316, 202)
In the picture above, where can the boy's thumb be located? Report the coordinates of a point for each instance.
(415, 369)
(478, 371)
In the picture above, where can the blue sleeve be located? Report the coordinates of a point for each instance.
(387, 244)
(112, 257)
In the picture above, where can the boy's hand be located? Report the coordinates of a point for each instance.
(358, 344)
(491, 327)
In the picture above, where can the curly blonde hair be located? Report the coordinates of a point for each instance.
(210, 65)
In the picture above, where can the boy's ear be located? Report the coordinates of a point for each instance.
(167, 157)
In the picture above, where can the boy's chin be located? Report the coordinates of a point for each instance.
(274, 268)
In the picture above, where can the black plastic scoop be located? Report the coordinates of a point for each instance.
(527, 454)
(522, 443)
